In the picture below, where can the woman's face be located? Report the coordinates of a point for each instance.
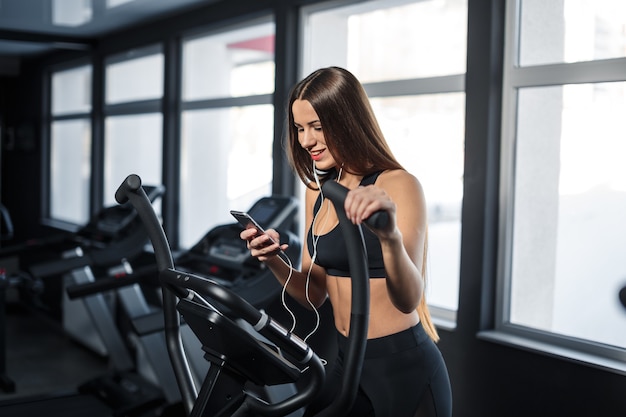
(310, 134)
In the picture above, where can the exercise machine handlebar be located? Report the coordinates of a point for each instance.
(131, 190)
(184, 285)
(359, 319)
(337, 193)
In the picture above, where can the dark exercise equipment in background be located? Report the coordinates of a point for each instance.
(41, 268)
(103, 247)
(220, 252)
(6, 233)
(238, 357)
(220, 255)
(113, 234)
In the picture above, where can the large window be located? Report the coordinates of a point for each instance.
(563, 178)
(133, 122)
(70, 145)
(227, 125)
(395, 48)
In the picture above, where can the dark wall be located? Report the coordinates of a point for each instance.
(20, 107)
(488, 379)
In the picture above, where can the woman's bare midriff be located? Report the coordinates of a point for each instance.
(384, 318)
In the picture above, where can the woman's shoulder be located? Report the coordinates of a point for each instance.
(403, 188)
(398, 178)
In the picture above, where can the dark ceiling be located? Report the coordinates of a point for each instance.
(29, 27)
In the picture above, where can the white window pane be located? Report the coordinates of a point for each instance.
(70, 170)
(236, 63)
(226, 164)
(395, 40)
(571, 31)
(114, 3)
(426, 133)
(133, 146)
(570, 198)
(135, 79)
(71, 13)
(71, 91)
(389, 40)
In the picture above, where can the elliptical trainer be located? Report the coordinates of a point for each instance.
(238, 357)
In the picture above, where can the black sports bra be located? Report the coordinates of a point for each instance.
(332, 254)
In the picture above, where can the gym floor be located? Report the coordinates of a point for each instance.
(42, 360)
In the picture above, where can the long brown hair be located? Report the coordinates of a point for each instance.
(350, 128)
(352, 135)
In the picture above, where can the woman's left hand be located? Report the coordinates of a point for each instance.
(362, 202)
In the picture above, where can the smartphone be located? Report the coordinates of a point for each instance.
(246, 221)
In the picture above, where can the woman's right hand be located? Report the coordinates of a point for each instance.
(262, 246)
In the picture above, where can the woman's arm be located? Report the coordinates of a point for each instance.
(402, 242)
(304, 286)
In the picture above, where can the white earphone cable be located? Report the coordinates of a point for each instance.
(315, 239)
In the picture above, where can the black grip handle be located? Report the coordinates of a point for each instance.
(131, 184)
(337, 194)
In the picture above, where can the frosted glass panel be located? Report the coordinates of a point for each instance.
(235, 63)
(571, 31)
(135, 79)
(70, 170)
(389, 40)
(570, 198)
(71, 13)
(400, 41)
(426, 133)
(133, 146)
(228, 168)
(71, 91)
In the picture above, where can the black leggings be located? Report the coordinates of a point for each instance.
(404, 375)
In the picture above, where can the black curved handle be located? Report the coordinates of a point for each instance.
(622, 296)
(131, 190)
(359, 319)
(337, 194)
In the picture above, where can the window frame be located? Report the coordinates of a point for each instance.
(443, 317)
(516, 77)
(219, 102)
(46, 155)
(230, 101)
(130, 108)
(134, 106)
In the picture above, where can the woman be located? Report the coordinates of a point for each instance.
(334, 135)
